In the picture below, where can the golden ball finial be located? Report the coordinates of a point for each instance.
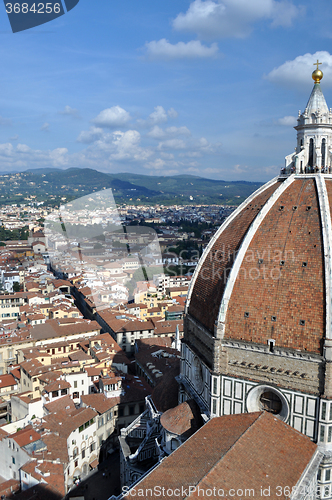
(317, 75)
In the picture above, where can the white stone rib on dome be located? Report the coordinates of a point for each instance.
(325, 215)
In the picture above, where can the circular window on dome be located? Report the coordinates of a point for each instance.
(267, 398)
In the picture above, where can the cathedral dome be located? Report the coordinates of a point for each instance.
(266, 273)
(265, 276)
(257, 326)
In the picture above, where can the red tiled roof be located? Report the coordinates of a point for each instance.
(65, 403)
(7, 380)
(184, 419)
(57, 385)
(244, 451)
(207, 286)
(47, 472)
(65, 422)
(25, 436)
(99, 402)
(9, 487)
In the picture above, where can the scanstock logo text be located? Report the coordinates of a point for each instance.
(26, 14)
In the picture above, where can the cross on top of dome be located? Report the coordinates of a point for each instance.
(317, 75)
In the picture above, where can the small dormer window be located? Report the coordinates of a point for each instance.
(271, 343)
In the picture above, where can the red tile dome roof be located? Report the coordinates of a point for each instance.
(264, 275)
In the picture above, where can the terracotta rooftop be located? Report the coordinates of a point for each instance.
(99, 402)
(54, 328)
(167, 327)
(9, 487)
(56, 448)
(65, 422)
(183, 420)
(47, 472)
(41, 491)
(7, 380)
(34, 367)
(244, 451)
(57, 385)
(25, 436)
(64, 403)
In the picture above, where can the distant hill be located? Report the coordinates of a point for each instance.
(53, 184)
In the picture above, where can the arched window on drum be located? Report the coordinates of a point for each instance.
(323, 150)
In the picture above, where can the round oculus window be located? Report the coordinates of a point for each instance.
(270, 402)
(267, 398)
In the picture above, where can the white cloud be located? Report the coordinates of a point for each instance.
(23, 148)
(108, 150)
(125, 145)
(112, 117)
(205, 146)
(167, 156)
(45, 127)
(159, 115)
(172, 113)
(191, 154)
(158, 133)
(70, 112)
(156, 164)
(59, 157)
(89, 136)
(14, 138)
(178, 131)
(6, 149)
(22, 156)
(239, 169)
(120, 146)
(298, 71)
(288, 121)
(233, 18)
(172, 144)
(163, 49)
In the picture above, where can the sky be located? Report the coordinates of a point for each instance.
(205, 87)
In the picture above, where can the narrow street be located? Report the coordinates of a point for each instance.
(102, 483)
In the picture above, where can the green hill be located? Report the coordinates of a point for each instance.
(52, 185)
